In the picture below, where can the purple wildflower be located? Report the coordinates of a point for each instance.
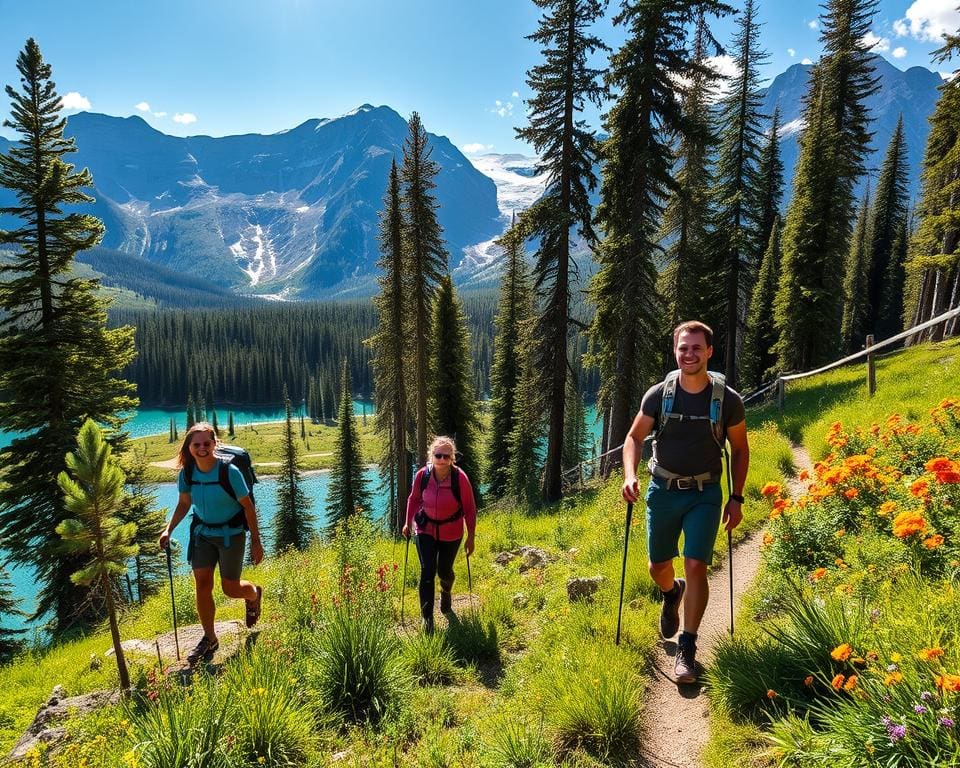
(895, 732)
(946, 722)
(926, 696)
(920, 709)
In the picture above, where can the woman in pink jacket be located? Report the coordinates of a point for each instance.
(440, 512)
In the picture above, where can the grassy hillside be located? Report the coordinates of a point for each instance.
(522, 677)
(848, 652)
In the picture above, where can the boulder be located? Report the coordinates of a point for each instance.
(583, 587)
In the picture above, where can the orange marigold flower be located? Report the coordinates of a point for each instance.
(818, 574)
(920, 487)
(767, 539)
(771, 694)
(908, 523)
(808, 681)
(851, 683)
(774, 514)
(851, 493)
(946, 682)
(771, 489)
(837, 682)
(933, 542)
(893, 678)
(781, 504)
(948, 477)
(841, 533)
(929, 654)
(841, 652)
(940, 464)
(887, 507)
(804, 475)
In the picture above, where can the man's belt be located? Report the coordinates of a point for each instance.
(682, 482)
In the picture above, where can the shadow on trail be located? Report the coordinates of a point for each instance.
(475, 641)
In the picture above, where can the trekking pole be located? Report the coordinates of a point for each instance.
(470, 582)
(623, 572)
(730, 548)
(403, 584)
(173, 601)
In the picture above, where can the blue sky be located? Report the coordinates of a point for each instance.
(221, 67)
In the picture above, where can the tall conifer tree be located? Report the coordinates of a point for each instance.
(293, 523)
(11, 640)
(855, 307)
(513, 312)
(389, 350)
(736, 191)
(138, 506)
(832, 152)
(889, 213)
(760, 336)
(347, 494)
(425, 263)
(453, 402)
(562, 85)
(643, 123)
(769, 185)
(933, 264)
(523, 472)
(575, 438)
(58, 360)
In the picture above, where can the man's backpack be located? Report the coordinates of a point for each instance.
(719, 384)
(227, 455)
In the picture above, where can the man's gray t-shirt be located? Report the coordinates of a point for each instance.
(687, 447)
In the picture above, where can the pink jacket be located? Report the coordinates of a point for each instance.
(439, 503)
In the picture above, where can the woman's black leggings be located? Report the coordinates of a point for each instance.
(436, 559)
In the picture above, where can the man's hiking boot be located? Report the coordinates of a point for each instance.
(203, 652)
(253, 608)
(670, 610)
(685, 666)
(446, 601)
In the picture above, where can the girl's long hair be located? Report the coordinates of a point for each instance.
(184, 459)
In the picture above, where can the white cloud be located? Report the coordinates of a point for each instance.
(159, 114)
(515, 94)
(899, 52)
(184, 118)
(504, 109)
(472, 149)
(875, 43)
(724, 65)
(807, 61)
(928, 20)
(813, 24)
(792, 52)
(142, 106)
(74, 100)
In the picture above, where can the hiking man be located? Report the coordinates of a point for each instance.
(690, 414)
(217, 531)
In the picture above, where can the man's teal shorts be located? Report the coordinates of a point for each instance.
(671, 511)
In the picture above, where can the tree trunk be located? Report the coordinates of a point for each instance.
(115, 634)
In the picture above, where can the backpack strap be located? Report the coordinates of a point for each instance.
(223, 477)
(719, 391)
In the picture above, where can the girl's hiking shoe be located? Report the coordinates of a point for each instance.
(670, 610)
(203, 652)
(685, 666)
(253, 608)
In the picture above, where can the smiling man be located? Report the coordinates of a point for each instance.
(692, 413)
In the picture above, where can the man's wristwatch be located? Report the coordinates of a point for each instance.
(736, 497)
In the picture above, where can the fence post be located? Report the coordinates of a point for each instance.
(871, 369)
(781, 394)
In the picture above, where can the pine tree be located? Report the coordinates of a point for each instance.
(58, 359)
(933, 264)
(230, 427)
(214, 423)
(347, 494)
(833, 147)
(11, 640)
(523, 471)
(191, 412)
(138, 506)
(293, 523)
(425, 262)
(855, 300)
(453, 405)
(736, 191)
(562, 85)
(92, 491)
(760, 336)
(172, 438)
(514, 310)
(683, 282)
(888, 215)
(389, 350)
(769, 186)
(575, 439)
(649, 68)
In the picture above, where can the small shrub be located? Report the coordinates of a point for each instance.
(473, 637)
(430, 659)
(355, 667)
(272, 725)
(518, 744)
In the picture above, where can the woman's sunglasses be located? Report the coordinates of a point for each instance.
(204, 444)
(441, 455)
